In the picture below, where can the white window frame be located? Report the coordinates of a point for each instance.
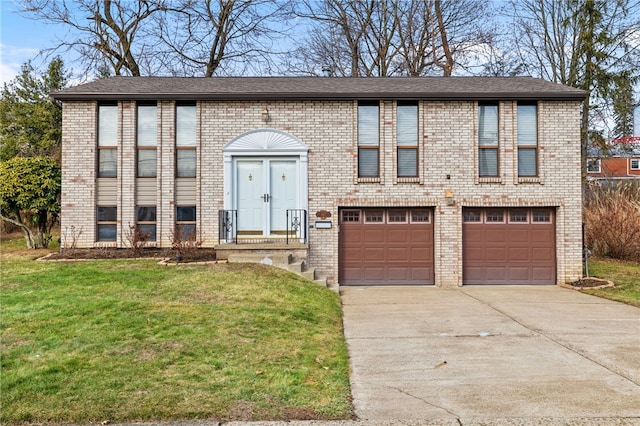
(598, 163)
(637, 165)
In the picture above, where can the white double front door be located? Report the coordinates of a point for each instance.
(265, 188)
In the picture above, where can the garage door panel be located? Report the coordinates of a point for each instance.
(387, 252)
(495, 253)
(518, 252)
(373, 236)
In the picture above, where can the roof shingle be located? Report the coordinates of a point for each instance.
(319, 88)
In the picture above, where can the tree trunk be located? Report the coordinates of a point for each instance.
(28, 235)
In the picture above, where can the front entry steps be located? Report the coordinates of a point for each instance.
(291, 258)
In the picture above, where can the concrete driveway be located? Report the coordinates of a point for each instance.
(491, 352)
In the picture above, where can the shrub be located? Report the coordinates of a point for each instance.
(612, 220)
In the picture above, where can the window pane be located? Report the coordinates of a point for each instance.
(108, 125)
(472, 216)
(185, 232)
(147, 163)
(488, 125)
(368, 125)
(488, 162)
(107, 163)
(527, 125)
(368, 162)
(146, 214)
(107, 214)
(408, 162)
(419, 215)
(186, 162)
(147, 128)
(149, 231)
(407, 125)
(593, 166)
(186, 214)
(527, 162)
(635, 164)
(107, 232)
(186, 126)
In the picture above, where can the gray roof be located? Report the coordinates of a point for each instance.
(319, 88)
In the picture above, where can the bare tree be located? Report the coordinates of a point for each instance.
(580, 43)
(393, 37)
(204, 37)
(103, 32)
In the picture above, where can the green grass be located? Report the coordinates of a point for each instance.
(124, 341)
(625, 275)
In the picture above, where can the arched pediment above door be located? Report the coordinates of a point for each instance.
(263, 141)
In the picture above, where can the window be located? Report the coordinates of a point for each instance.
(518, 216)
(593, 165)
(146, 221)
(374, 216)
(185, 223)
(351, 216)
(108, 141)
(147, 140)
(541, 216)
(368, 140)
(397, 216)
(472, 216)
(494, 216)
(186, 141)
(420, 216)
(488, 140)
(635, 164)
(407, 139)
(527, 140)
(106, 223)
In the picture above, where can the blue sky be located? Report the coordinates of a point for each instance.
(21, 40)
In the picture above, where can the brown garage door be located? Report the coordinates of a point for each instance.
(509, 246)
(386, 246)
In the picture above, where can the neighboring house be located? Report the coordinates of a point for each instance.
(445, 181)
(620, 161)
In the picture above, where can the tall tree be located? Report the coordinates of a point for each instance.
(393, 37)
(204, 37)
(30, 123)
(623, 104)
(102, 31)
(580, 43)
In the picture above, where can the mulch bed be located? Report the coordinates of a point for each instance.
(196, 255)
(590, 283)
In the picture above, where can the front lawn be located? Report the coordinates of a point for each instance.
(625, 275)
(123, 341)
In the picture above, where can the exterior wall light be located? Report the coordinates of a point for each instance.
(265, 115)
(448, 196)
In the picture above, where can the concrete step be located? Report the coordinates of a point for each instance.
(310, 274)
(279, 259)
(298, 267)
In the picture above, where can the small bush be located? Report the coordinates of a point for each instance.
(612, 220)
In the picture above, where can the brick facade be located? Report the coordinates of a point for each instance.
(447, 160)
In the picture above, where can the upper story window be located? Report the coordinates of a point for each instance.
(186, 141)
(368, 139)
(407, 139)
(527, 139)
(488, 139)
(147, 140)
(635, 164)
(593, 165)
(108, 141)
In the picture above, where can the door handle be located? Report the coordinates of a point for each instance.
(266, 198)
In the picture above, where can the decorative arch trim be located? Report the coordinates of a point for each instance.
(263, 141)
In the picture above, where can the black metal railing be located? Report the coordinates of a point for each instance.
(297, 225)
(227, 226)
(297, 228)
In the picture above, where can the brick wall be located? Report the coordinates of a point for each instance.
(447, 160)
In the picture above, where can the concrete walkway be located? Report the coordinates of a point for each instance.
(514, 352)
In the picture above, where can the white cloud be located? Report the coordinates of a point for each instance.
(12, 58)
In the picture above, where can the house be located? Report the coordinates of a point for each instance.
(621, 160)
(427, 181)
